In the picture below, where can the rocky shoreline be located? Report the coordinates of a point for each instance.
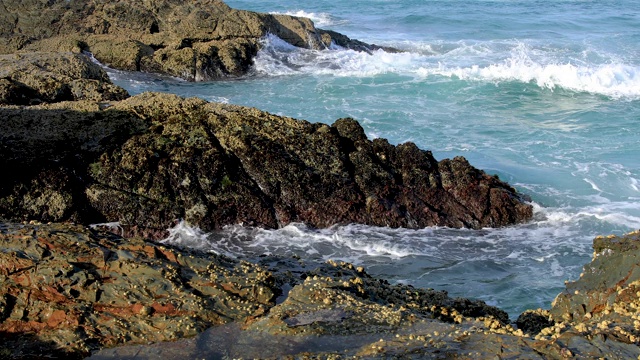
(69, 290)
(197, 41)
(78, 150)
(83, 155)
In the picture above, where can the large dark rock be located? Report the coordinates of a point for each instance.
(154, 158)
(195, 40)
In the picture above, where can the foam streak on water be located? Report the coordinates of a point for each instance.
(321, 19)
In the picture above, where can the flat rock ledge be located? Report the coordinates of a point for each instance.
(69, 290)
(195, 40)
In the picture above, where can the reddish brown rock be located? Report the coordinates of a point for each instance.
(78, 289)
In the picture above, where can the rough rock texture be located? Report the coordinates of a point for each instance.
(605, 301)
(69, 290)
(154, 158)
(33, 78)
(78, 289)
(195, 40)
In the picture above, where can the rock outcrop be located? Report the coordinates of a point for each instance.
(34, 78)
(605, 301)
(154, 158)
(195, 40)
(69, 290)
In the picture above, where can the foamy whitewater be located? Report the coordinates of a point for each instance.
(544, 94)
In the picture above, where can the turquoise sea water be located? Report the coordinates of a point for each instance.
(546, 94)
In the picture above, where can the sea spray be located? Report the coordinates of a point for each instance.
(494, 62)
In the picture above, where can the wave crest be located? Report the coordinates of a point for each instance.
(484, 62)
(613, 80)
(321, 19)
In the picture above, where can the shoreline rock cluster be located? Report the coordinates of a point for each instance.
(196, 41)
(69, 290)
(76, 150)
(150, 159)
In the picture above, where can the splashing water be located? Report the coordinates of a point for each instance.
(545, 95)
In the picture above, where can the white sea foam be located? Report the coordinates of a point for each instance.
(555, 231)
(356, 243)
(517, 61)
(625, 214)
(112, 226)
(593, 185)
(614, 80)
(321, 19)
(280, 58)
(188, 236)
(337, 243)
(486, 62)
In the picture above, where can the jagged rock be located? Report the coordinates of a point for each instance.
(195, 40)
(68, 290)
(33, 78)
(154, 158)
(606, 299)
(77, 290)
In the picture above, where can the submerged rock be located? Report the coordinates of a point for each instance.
(154, 158)
(195, 40)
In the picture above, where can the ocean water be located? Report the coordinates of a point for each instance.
(546, 94)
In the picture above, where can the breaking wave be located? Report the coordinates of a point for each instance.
(320, 19)
(495, 62)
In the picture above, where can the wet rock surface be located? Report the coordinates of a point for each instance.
(69, 290)
(605, 301)
(154, 158)
(195, 40)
